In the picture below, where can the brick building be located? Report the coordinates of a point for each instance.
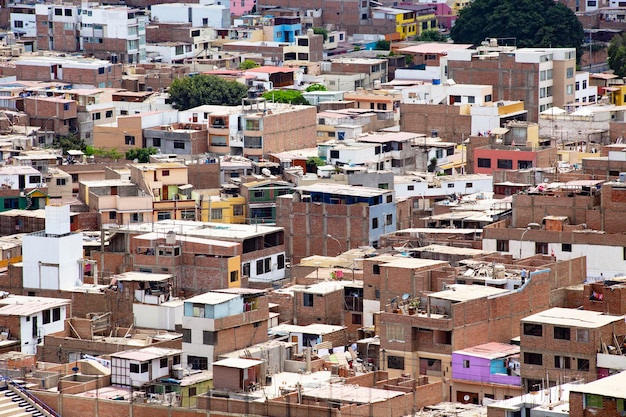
(463, 316)
(178, 138)
(603, 398)
(51, 114)
(357, 216)
(256, 128)
(87, 72)
(220, 322)
(540, 77)
(563, 344)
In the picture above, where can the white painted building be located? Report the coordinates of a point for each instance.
(17, 177)
(24, 23)
(38, 316)
(169, 52)
(199, 15)
(52, 258)
(584, 91)
(447, 93)
(200, 316)
(134, 368)
(428, 186)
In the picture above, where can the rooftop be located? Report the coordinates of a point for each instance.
(342, 189)
(492, 350)
(461, 292)
(21, 305)
(146, 354)
(611, 386)
(318, 329)
(212, 298)
(239, 363)
(218, 231)
(133, 276)
(573, 317)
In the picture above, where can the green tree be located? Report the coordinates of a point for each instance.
(69, 142)
(201, 89)
(532, 23)
(248, 64)
(140, 154)
(382, 45)
(617, 55)
(313, 162)
(285, 96)
(316, 87)
(431, 35)
(321, 31)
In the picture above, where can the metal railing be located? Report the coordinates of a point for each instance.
(25, 393)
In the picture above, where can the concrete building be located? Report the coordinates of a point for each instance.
(127, 131)
(547, 349)
(540, 77)
(29, 319)
(198, 15)
(220, 322)
(178, 138)
(51, 258)
(115, 33)
(358, 216)
(257, 128)
(603, 397)
(136, 368)
(489, 371)
(117, 201)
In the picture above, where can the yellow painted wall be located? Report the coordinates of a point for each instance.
(234, 264)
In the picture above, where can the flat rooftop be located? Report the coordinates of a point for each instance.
(218, 231)
(342, 189)
(573, 318)
(353, 394)
(146, 354)
(21, 305)
(492, 350)
(318, 329)
(413, 263)
(461, 292)
(212, 298)
(142, 277)
(611, 386)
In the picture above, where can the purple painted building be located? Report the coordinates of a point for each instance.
(489, 371)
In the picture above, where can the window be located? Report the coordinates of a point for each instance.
(561, 362)
(134, 368)
(209, 338)
(395, 362)
(186, 335)
(466, 363)
(108, 114)
(56, 314)
(566, 247)
(245, 269)
(129, 140)
(156, 142)
(570, 72)
(34, 179)
(484, 163)
(582, 335)
(569, 89)
(502, 245)
(376, 269)
(179, 144)
(531, 329)
(395, 332)
(259, 267)
(533, 358)
(198, 362)
(410, 188)
(541, 248)
(58, 12)
(281, 261)
(469, 185)
(193, 391)
(163, 363)
(60, 181)
(112, 215)
(46, 316)
(234, 276)
(388, 219)
(505, 164)
(216, 214)
(357, 319)
(450, 185)
(68, 12)
(375, 223)
(524, 164)
(594, 400)
(583, 364)
(18, 24)
(334, 154)
(307, 299)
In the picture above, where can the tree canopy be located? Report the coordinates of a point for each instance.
(248, 64)
(431, 35)
(285, 96)
(69, 142)
(617, 55)
(201, 89)
(316, 87)
(140, 154)
(382, 45)
(530, 23)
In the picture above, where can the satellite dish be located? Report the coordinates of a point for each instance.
(405, 296)
(393, 300)
(466, 398)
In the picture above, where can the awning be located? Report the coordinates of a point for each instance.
(185, 187)
(499, 131)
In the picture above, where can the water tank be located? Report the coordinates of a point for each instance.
(170, 238)
(436, 81)
(253, 93)
(622, 177)
(434, 133)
